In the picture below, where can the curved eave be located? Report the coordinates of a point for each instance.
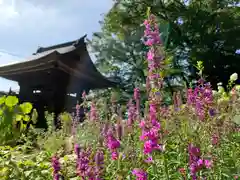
(98, 80)
(12, 71)
(95, 79)
(74, 43)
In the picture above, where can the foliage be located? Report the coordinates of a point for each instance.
(13, 118)
(120, 53)
(54, 140)
(197, 30)
(178, 128)
(14, 165)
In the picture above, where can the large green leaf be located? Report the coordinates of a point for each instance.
(26, 107)
(11, 101)
(18, 117)
(26, 118)
(2, 100)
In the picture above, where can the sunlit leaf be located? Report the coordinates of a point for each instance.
(2, 99)
(26, 107)
(26, 118)
(19, 117)
(34, 116)
(11, 101)
(23, 126)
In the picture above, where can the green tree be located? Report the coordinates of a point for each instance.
(123, 54)
(206, 30)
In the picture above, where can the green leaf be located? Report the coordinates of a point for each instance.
(11, 101)
(19, 117)
(27, 173)
(26, 107)
(34, 116)
(23, 126)
(2, 99)
(26, 118)
(148, 11)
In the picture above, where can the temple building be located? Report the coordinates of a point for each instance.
(52, 73)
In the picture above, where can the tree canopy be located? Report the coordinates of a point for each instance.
(206, 30)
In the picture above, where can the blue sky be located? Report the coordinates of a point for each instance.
(27, 24)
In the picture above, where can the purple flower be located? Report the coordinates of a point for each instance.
(83, 164)
(99, 158)
(99, 161)
(212, 112)
(77, 150)
(201, 98)
(56, 167)
(195, 162)
(113, 144)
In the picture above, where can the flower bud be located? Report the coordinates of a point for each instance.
(234, 77)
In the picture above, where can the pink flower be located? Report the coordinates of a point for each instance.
(113, 144)
(140, 174)
(93, 112)
(200, 163)
(149, 42)
(114, 155)
(149, 159)
(215, 139)
(131, 113)
(142, 124)
(151, 126)
(84, 95)
(146, 22)
(150, 55)
(208, 163)
(182, 171)
(148, 148)
(143, 137)
(136, 93)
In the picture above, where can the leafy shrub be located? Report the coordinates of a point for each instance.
(13, 115)
(15, 165)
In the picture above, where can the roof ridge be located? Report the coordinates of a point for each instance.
(61, 45)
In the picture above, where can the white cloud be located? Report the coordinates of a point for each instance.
(7, 12)
(26, 24)
(28, 16)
